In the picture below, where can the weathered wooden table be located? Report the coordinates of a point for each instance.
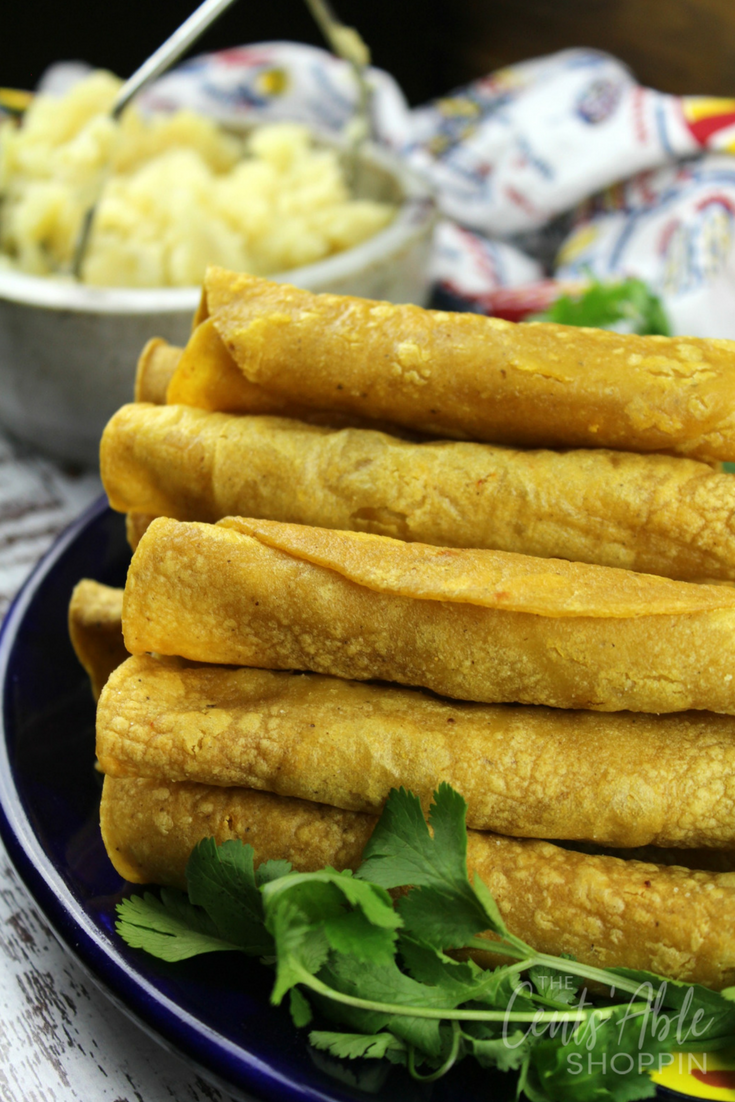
(61, 1039)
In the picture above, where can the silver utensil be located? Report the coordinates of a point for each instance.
(171, 50)
(347, 43)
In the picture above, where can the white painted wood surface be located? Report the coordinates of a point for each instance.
(61, 1039)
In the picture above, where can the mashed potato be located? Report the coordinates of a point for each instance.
(175, 193)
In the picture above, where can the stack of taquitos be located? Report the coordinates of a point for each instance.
(475, 625)
(163, 724)
(162, 721)
(647, 512)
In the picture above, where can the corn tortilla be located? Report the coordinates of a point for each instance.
(602, 910)
(95, 630)
(487, 626)
(617, 779)
(478, 378)
(649, 513)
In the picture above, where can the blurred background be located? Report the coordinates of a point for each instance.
(575, 189)
(429, 46)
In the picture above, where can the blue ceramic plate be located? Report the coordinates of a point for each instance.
(215, 1010)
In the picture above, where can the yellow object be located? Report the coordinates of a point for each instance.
(477, 625)
(15, 101)
(696, 108)
(479, 378)
(642, 512)
(175, 192)
(156, 365)
(95, 629)
(621, 780)
(698, 1074)
(206, 376)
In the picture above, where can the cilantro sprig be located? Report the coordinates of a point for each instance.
(383, 975)
(627, 305)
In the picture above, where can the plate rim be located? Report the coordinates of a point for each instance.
(181, 1032)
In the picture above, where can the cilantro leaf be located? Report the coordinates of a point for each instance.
(556, 986)
(384, 973)
(459, 982)
(628, 305)
(222, 880)
(367, 1076)
(446, 919)
(506, 1053)
(271, 870)
(389, 987)
(388, 984)
(300, 1009)
(423, 1034)
(318, 887)
(353, 1046)
(301, 947)
(308, 915)
(702, 1018)
(170, 928)
(399, 852)
(353, 934)
(442, 907)
(603, 1060)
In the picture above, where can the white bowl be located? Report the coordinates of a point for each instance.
(68, 352)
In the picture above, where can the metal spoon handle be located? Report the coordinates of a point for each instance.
(171, 50)
(157, 63)
(347, 43)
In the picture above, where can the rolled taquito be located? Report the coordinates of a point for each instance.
(478, 378)
(621, 780)
(488, 626)
(651, 513)
(601, 910)
(95, 630)
(156, 365)
(207, 377)
(136, 524)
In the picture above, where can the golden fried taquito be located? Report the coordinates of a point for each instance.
(621, 780)
(95, 630)
(208, 378)
(478, 378)
(600, 910)
(652, 513)
(136, 524)
(489, 626)
(149, 827)
(156, 366)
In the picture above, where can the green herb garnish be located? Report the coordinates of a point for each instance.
(382, 974)
(628, 306)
